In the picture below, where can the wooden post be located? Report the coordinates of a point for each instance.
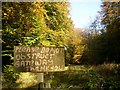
(48, 80)
(40, 78)
(48, 85)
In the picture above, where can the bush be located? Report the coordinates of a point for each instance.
(9, 77)
(91, 77)
(105, 76)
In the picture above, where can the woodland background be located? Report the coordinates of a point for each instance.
(95, 51)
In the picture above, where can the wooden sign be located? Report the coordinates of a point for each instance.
(39, 59)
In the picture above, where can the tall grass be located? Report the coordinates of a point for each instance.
(91, 77)
(84, 76)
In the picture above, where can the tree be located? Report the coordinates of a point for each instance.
(57, 21)
(103, 42)
(20, 26)
(95, 50)
(34, 24)
(111, 20)
(76, 46)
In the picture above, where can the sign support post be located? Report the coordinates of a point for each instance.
(48, 80)
(40, 60)
(40, 78)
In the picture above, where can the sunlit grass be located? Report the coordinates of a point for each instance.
(89, 76)
(27, 80)
(81, 76)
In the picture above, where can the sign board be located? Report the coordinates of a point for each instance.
(39, 59)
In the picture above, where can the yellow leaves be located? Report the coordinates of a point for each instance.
(77, 58)
(45, 43)
(38, 8)
(75, 44)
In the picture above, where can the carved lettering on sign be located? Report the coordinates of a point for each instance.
(39, 59)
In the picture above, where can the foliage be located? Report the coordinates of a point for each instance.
(102, 41)
(9, 77)
(40, 24)
(112, 22)
(89, 77)
(48, 24)
(95, 51)
(33, 24)
(75, 46)
(105, 76)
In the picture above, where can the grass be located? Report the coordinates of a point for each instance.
(83, 76)
(100, 76)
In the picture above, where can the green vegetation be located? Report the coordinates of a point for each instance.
(9, 77)
(105, 76)
(48, 24)
(103, 43)
(34, 24)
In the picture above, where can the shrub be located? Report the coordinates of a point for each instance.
(91, 77)
(9, 77)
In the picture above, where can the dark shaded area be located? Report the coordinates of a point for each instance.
(103, 37)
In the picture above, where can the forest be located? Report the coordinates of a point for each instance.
(92, 56)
